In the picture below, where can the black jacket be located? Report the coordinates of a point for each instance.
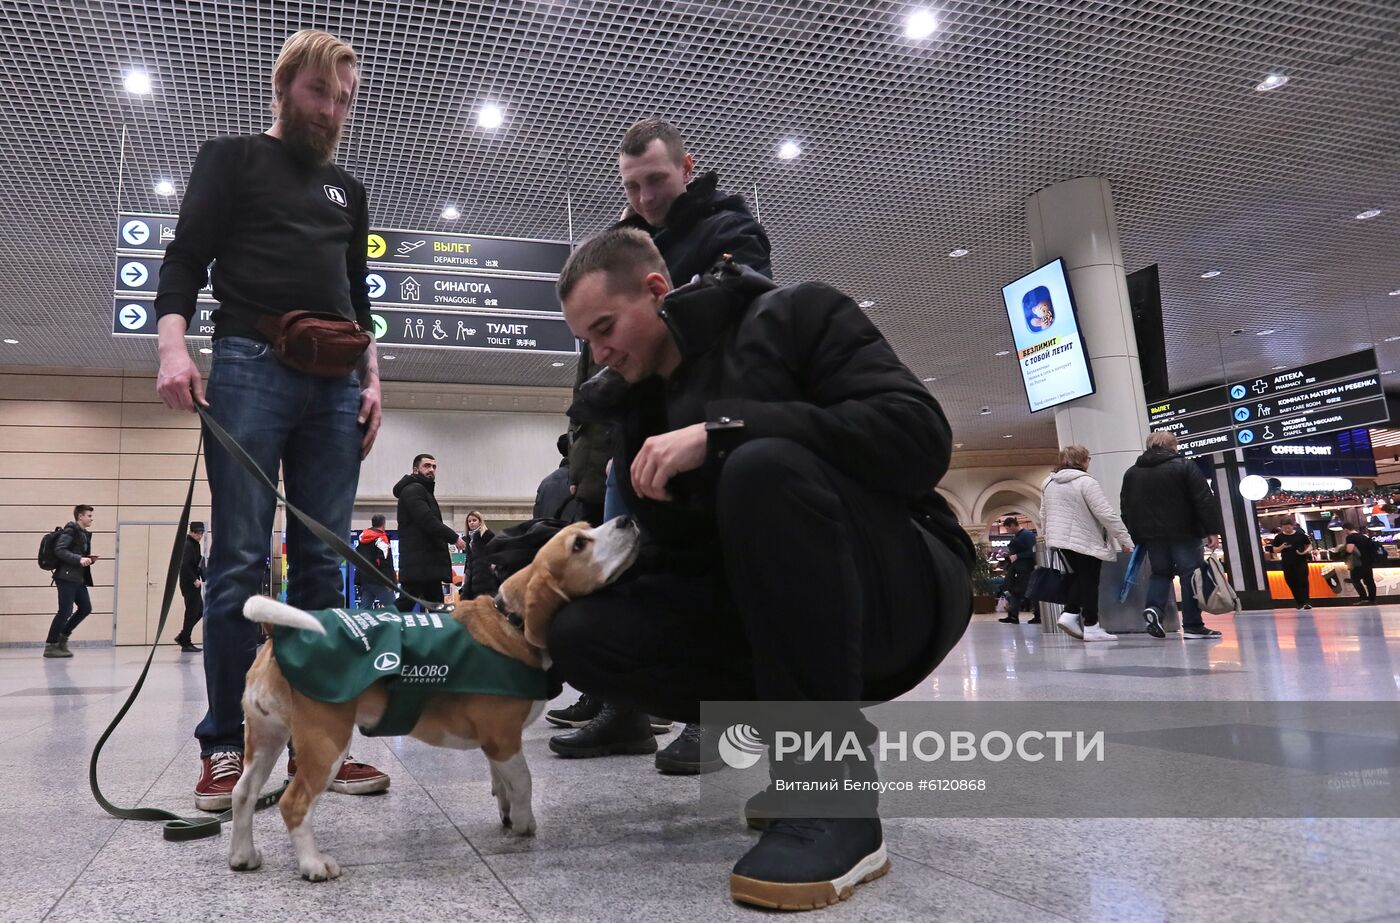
(191, 567)
(423, 536)
(383, 561)
(800, 362)
(1166, 498)
(478, 546)
(552, 498)
(702, 225)
(74, 544)
(1022, 545)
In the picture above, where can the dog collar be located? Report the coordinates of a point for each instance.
(513, 618)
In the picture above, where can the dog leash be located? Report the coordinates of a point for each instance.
(177, 827)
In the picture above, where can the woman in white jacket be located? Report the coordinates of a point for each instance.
(1077, 519)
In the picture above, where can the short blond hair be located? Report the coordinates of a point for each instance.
(1161, 439)
(310, 49)
(1073, 456)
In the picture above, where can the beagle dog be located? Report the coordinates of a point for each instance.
(574, 563)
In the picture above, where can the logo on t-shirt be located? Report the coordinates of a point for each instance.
(336, 195)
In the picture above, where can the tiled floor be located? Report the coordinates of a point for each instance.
(618, 842)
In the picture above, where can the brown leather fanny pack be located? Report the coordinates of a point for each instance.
(315, 343)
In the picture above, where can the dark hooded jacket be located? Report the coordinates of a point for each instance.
(800, 362)
(702, 225)
(1166, 498)
(423, 536)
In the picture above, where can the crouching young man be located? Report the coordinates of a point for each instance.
(782, 461)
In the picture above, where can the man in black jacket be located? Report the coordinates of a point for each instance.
(781, 461)
(1020, 558)
(374, 547)
(73, 577)
(694, 225)
(192, 587)
(424, 561)
(1169, 508)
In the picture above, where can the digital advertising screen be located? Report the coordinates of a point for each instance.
(1045, 328)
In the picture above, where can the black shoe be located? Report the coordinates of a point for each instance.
(1034, 620)
(1010, 619)
(1306, 606)
(694, 751)
(762, 809)
(803, 864)
(577, 714)
(613, 732)
(1200, 631)
(1154, 622)
(188, 648)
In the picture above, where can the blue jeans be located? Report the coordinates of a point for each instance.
(66, 620)
(1175, 559)
(613, 505)
(307, 426)
(374, 596)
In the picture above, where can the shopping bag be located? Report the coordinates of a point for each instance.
(1050, 584)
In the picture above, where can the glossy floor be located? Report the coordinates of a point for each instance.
(617, 841)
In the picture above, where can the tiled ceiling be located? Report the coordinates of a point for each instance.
(911, 149)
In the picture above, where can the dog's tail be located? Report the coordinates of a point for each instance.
(271, 612)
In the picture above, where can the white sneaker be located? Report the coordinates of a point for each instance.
(1070, 624)
(1096, 633)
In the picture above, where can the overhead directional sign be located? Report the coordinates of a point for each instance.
(1320, 397)
(463, 252)
(136, 316)
(460, 290)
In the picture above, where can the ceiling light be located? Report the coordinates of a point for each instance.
(930, 379)
(957, 445)
(1391, 339)
(984, 411)
(205, 351)
(388, 357)
(867, 303)
(1264, 333)
(1007, 436)
(450, 213)
(1003, 352)
(138, 82)
(10, 342)
(789, 150)
(960, 252)
(1395, 292)
(1272, 82)
(1278, 368)
(557, 365)
(490, 116)
(165, 187)
(920, 24)
(1368, 214)
(1386, 372)
(1211, 274)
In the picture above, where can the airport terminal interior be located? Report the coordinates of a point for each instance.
(1117, 299)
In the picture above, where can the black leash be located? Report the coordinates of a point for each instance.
(177, 827)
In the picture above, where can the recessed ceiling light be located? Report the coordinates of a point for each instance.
(789, 150)
(867, 303)
(957, 445)
(1264, 333)
(1278, 368)
(984, 411)
(388, 357)
(10, 342)
(1391, 339)
(930, 379)
(450, 213)
(1388, 372)
(1003, 352)
(1396, 292)
(165, 187)
(1007, 436)
(960, 252)
(1272, 82)
(1368, 214)
(1210, 274)
(490, 116)
(920, 24)
(557, 365)
(205, 351)
(138, 82)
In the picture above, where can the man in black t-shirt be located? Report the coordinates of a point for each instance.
(1295, 555)
(286, 229)
(1361, 557)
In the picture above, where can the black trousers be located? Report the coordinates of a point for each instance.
(74, 605)
(1083, 585)
(431, 590)
(1296, 576)
(194, 611)
(828, 592)
(1364, 579)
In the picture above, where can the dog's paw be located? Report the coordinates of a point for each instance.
(245, 861)
(323, 868)
(522, 824)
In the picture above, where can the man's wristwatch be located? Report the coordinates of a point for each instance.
(723, 434)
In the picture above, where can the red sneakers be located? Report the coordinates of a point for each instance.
(354, 777)
(221, 772)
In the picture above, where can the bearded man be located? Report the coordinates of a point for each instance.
(286, 230)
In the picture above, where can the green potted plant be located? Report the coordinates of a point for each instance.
(984, 585)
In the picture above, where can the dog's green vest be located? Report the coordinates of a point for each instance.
(420, 654)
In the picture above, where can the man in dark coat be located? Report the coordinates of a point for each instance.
(781, 462)
(1169, 509)
(192, 587)
(555, 497)
(1020, 564)
(374, 547)
(425, 564)
(73, 577)
(694, 225)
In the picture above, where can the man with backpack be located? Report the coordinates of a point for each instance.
(1363, 553)
(69, 551)
(374, 545)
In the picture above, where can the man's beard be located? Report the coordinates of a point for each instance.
(305, 141)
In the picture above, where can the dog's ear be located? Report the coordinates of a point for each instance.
(542, 599)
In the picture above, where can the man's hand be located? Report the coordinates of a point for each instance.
(1212, 541)
(461, 544)
(178, 383)
(86, 562)
(665, 456)
(370, 415)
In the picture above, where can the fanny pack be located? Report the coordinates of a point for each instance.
(315, 343)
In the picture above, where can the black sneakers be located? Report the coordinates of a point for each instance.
(694, 751)
(613, 732)
(1154, 622)
(1200, 631)
(1011, 619)
(804, 864)
(577, 714)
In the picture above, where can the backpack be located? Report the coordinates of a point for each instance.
(48, 560)
(1211, 587)
(1378, 553)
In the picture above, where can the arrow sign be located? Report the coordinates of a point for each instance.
(375, 283)
(134, 275)
(136, 232)
(132, 316)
